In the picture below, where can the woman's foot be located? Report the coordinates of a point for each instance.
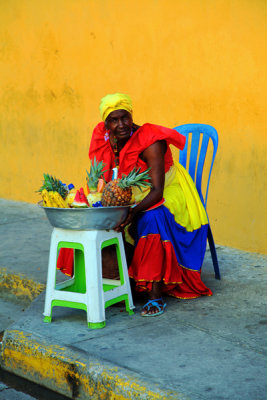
(153, 308)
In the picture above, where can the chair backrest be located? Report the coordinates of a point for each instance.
(196, 164)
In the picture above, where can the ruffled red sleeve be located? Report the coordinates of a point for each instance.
(145, 136)
(150, 133)
(100, 149)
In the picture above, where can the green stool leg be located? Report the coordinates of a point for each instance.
(124, 297)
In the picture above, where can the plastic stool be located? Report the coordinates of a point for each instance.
(87, 289)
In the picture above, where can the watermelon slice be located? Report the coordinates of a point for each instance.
(83, 197)
(80, 200)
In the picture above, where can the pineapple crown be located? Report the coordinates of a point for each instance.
(52, 184)
(134, 178)
(96, 171)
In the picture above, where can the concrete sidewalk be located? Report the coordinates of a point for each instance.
(206, 348)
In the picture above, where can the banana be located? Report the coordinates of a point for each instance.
(59, 200)
(53, 199)
(46, 199)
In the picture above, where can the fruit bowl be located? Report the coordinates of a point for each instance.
(85, 219)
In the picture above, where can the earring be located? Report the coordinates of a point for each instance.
(106, 136)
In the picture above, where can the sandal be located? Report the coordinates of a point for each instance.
(154, 303)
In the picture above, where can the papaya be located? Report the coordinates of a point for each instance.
(86, 190)
(100, 185)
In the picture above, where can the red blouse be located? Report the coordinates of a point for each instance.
(146, 135)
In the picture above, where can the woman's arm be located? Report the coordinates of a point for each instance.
(154, 158)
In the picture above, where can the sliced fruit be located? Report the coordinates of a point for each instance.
(70, 197)
(93, 198)
(83, 197)
(100, 186)
(86, 190)
(79, 202)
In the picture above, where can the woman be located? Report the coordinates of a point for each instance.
(169, 220)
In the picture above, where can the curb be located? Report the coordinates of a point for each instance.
(19, 286)
(70, 373)
(64, 370)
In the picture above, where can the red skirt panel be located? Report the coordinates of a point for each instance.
(65, 261)
(177, 281)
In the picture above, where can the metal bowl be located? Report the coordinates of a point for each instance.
(84, 219)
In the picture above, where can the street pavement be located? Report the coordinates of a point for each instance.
(210, 348)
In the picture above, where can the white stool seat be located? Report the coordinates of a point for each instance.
(87, 289)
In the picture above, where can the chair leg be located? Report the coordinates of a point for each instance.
(213, 254)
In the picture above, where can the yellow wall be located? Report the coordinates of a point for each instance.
(181, 61)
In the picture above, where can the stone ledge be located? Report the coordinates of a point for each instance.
(70, 373)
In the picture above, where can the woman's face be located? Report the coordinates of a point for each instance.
(120, 123)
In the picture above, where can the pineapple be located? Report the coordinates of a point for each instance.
(96, 171)
(119, 192)
(51, 184)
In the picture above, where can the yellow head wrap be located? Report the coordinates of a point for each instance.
(112, 102)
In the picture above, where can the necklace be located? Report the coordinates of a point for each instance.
(116, 152)
(116, 149)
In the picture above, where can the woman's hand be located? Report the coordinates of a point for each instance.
(128, 220)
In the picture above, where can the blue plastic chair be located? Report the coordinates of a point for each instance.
(195, 168)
